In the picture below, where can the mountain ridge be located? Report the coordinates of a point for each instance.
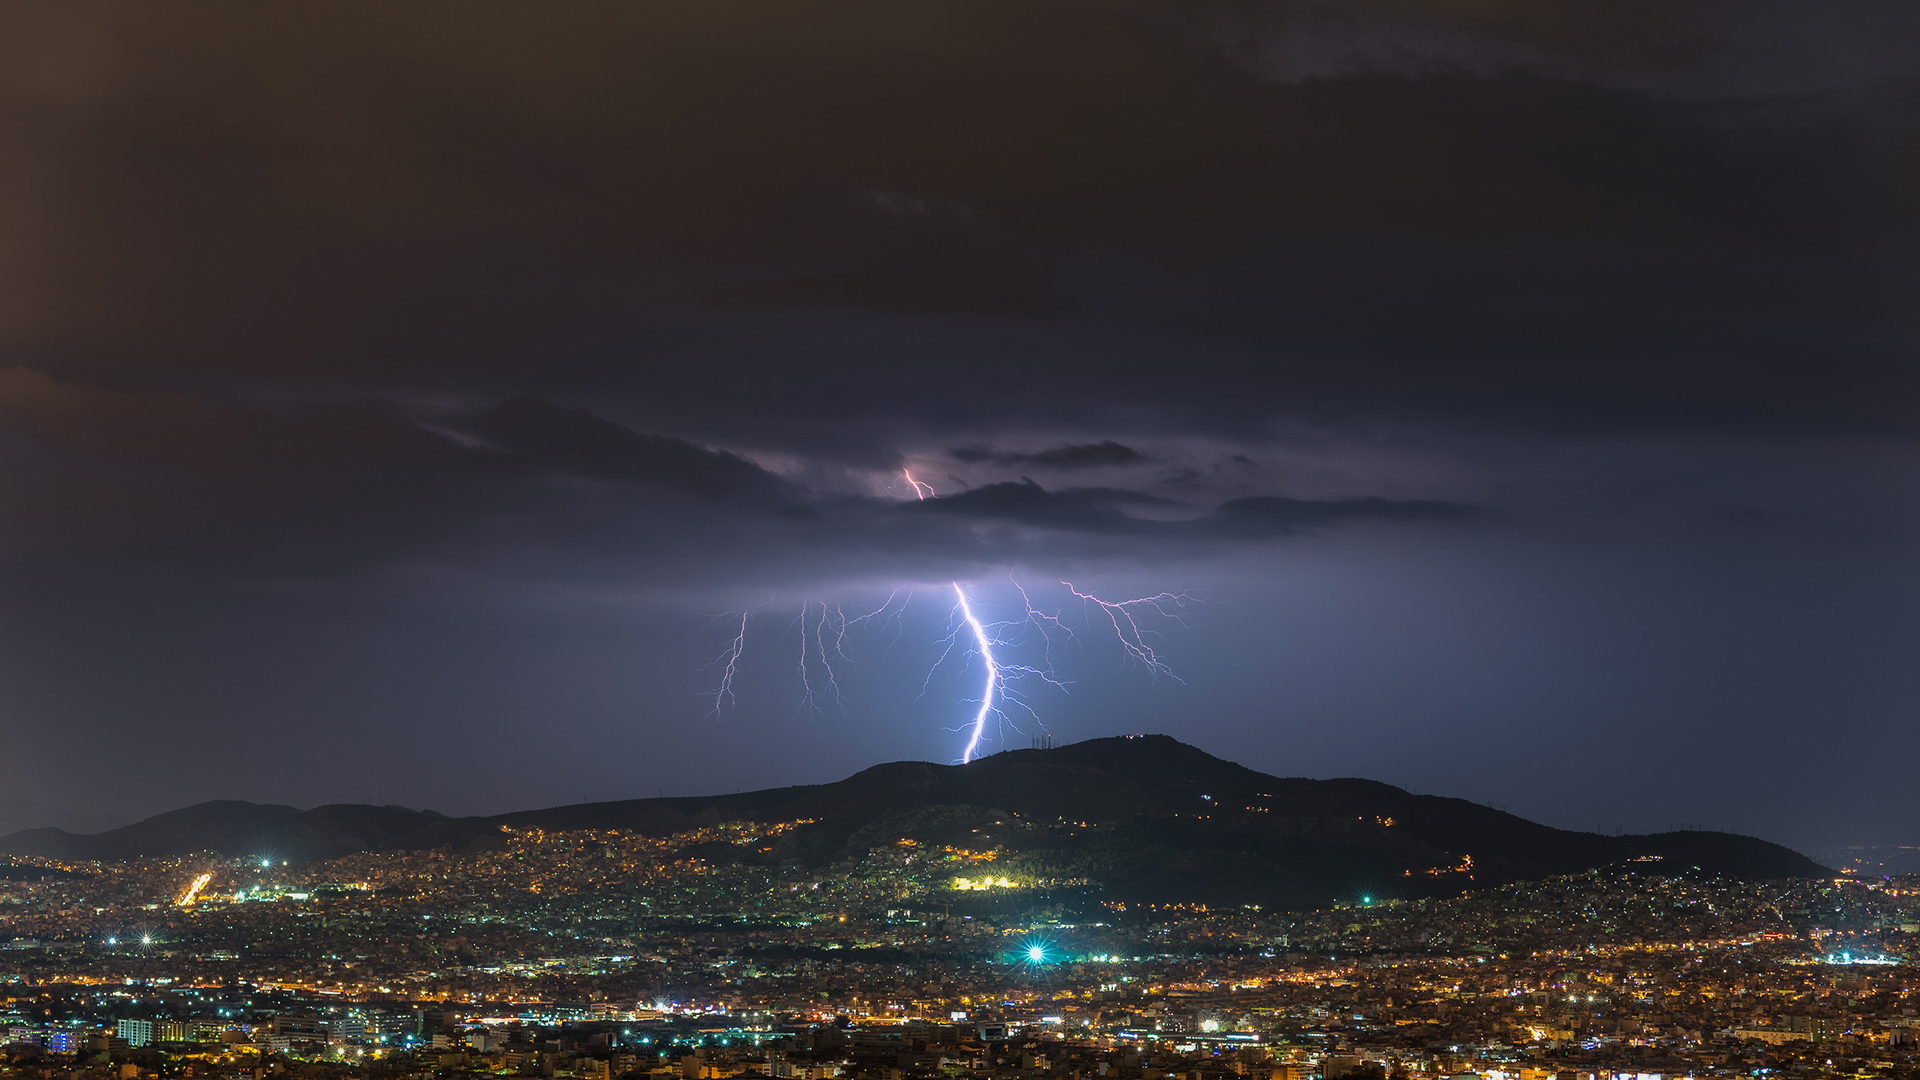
(1141, 818)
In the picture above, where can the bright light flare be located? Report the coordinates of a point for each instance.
(1037, 952)
(193, 890)
(962, 884)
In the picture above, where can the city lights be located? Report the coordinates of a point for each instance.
(394, 944)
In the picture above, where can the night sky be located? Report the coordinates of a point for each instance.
(405, 402)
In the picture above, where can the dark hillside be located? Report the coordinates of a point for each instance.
(1143, 818)
(232, 828)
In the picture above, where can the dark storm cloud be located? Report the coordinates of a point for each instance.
(1064, 456)
(349, 483)
(780, 252)
(892, 252)
(1074, 509)
(539, 435)
(825, 231)
(347, 487)
(1268, 516)
(1104, 510)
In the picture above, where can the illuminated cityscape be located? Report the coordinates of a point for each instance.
(610, 954)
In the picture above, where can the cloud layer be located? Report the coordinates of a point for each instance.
(750, 226)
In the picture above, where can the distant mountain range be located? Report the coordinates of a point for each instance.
(1145, 818)
(1873, 860)
(18, 814)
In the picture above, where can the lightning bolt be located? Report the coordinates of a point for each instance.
(729, 662)
(999, 689)
(1120, 613)
(816, 655)
(824, 638)
(984, 644)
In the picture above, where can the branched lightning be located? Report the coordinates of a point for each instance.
(1120, 613)
(891, 618)
(999, 688)
(729, 661)
(982, 644)
(824, 646)
(985, 645)
(815, 655)
(1052, 630)
(823, 638)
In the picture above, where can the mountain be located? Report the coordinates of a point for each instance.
(1144, 818)
(19, 814)
(233, 828)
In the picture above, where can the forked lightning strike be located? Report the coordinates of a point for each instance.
(985, 646)
(981, 643)
(1127, 628)
(819, 678)
(729, 664)
(816, 655)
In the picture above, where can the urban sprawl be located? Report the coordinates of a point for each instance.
(601, 955)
